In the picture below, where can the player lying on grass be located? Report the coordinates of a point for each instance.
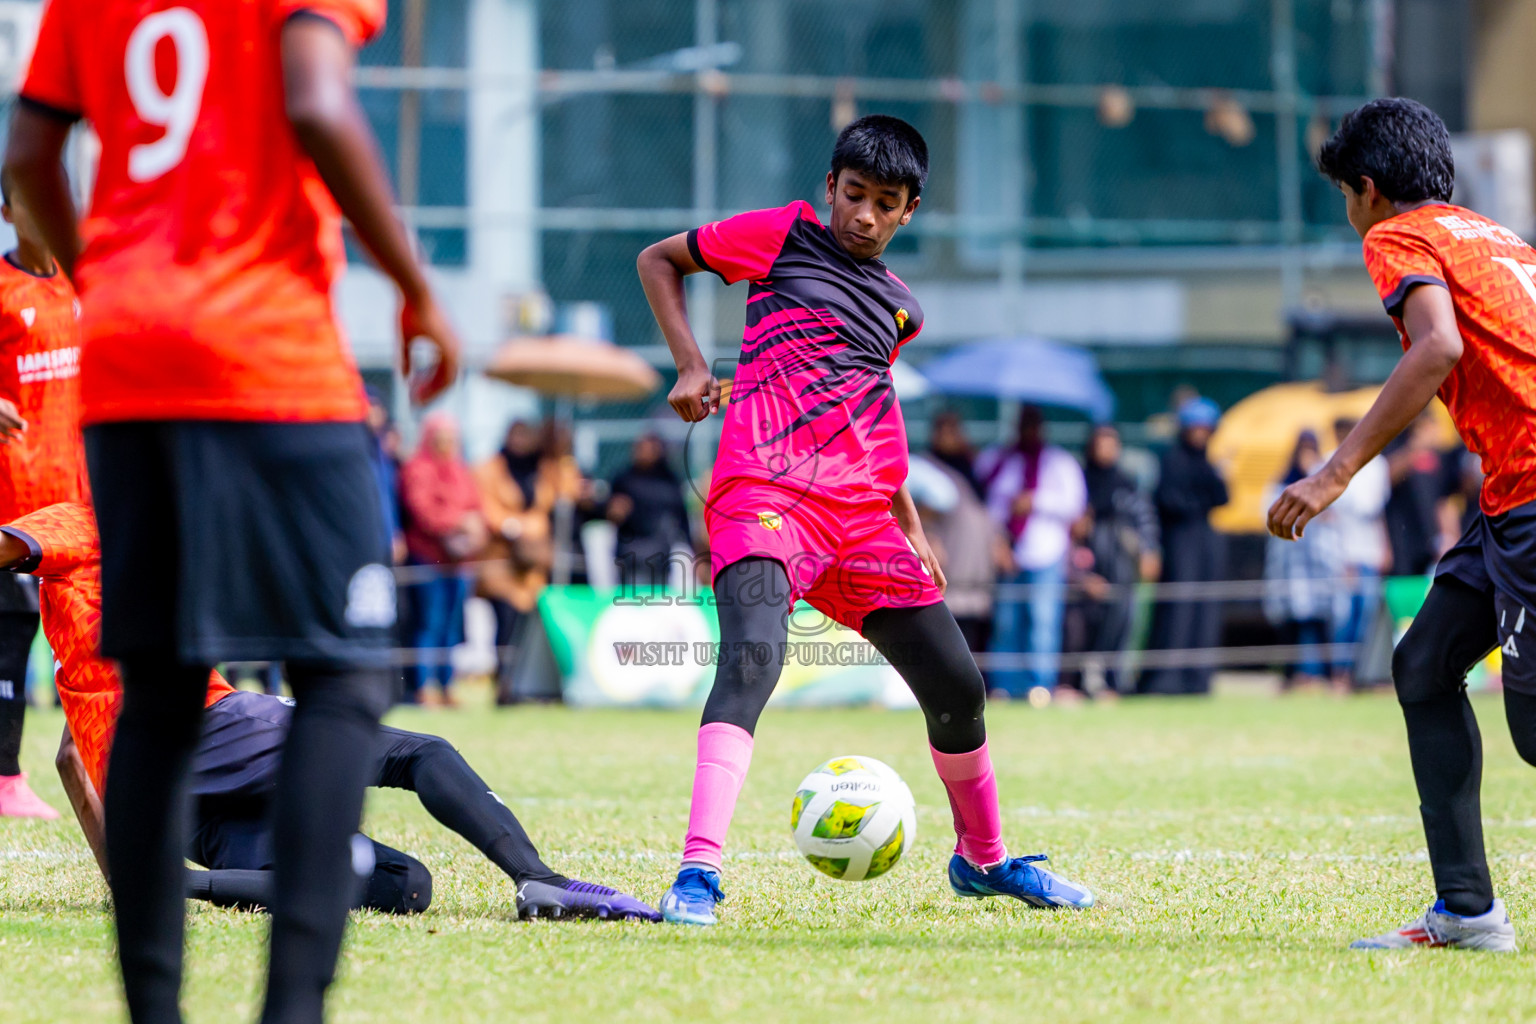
(808, 498)
(235, 766)
(1460, 289)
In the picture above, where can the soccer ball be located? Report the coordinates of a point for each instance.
(853, 818)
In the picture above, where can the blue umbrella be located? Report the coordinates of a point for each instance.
(1026, 370)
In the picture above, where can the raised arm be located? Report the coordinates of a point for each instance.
(1434, 347)
(662, 267)
(323, 109)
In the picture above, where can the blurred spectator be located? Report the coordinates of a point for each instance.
(646, 504)
(949, 444)
(446, 528)
(1417, 475)
(1164, 426)
(1035, 492)
(1117, 547)
(1356, 519)
(969, 545)
(386, 470)
(516, 508)
(1301, 575)
(520, 455)
(1464, 480)
(573, 501)
(1188, 489)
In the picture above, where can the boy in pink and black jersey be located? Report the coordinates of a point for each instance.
(808, 497)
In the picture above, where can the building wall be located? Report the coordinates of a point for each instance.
(1503, 86)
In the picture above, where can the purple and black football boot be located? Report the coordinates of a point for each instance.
(580, 899)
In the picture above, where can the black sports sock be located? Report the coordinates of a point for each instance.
(17, 629)
(1453, 630)
(146, 823)
(453, 794)
(327, 761)
(1447, 753)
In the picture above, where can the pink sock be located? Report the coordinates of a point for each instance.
(973, 799)
(725, 752)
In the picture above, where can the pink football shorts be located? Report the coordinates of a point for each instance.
(844, 559)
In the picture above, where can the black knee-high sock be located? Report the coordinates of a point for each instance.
(926, 646)
(1447, 753)
(1454, 629)
(17, 629)
(327, 761)
(453, 794)
(146, 823)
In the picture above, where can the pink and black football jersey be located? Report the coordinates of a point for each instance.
(811, 408)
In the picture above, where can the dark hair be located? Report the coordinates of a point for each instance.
(1400, 144)
(1294, 472)
(885, 148)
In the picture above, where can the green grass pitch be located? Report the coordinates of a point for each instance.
(1237, 845)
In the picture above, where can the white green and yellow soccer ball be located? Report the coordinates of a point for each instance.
(853, 818)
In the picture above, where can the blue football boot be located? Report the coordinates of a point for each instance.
(692, 898)
(1023, 878)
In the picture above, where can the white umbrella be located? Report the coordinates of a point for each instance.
(910, 384)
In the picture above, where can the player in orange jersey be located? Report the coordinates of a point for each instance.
(1461, 291)
(224, 426)
(41, 461)
(235, 767)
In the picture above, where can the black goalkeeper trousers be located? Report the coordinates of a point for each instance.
(233, 835)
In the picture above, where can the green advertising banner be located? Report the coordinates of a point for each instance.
(614, 648)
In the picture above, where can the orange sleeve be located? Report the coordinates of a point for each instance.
(359, 20)
(1399, 258)
(62, 538)
(51, 81)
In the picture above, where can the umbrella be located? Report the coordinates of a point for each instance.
(1025, 370)
(572, 367)
(1253, 443)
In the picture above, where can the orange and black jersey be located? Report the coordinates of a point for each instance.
(40, 373)
(1490, 273)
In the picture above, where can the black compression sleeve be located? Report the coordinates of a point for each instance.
(926, 646)
(752, 598)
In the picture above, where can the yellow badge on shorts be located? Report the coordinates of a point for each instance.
(901, 319)
(770, 520)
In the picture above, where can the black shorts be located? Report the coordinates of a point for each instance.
(18, 593)
(234, 541)
(1497, 555)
